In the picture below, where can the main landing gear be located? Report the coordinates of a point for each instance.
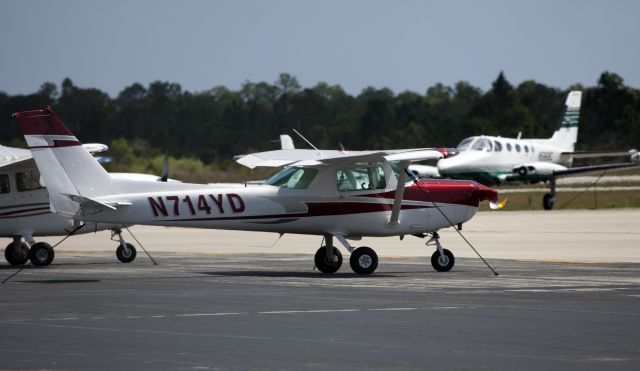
(549, 199)
(18, 253)
(125, 252)
(442, 259)
(328, 258)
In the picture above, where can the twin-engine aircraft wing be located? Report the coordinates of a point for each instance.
(310, 157)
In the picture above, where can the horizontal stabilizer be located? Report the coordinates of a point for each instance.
(86, 202)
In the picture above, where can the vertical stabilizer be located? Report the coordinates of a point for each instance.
(567, 134)
(67, 167)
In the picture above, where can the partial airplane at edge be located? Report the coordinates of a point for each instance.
(497, 160)
(325, 193)
(25, 211)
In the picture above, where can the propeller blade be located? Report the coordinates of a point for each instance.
(498, 205)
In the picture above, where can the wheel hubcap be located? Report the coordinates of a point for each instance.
(42, 254)
(126, 253)
(443, 260)
(365, 261)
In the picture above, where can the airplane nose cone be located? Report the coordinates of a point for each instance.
(461, 192)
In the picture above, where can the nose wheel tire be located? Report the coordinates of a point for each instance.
(126, 255)
(17, 256)
(363, 260)
(442, 263)
(326, 265)
(41, 254)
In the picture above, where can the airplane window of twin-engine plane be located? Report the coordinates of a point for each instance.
(482, 144)
(464, 145)
(497, 145)
(360, 178)
(29, 180)
(293, 177)
(4, 184)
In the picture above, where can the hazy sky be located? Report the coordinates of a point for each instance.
(403, 45)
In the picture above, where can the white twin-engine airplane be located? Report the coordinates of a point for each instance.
(497, 160)
(324, 193)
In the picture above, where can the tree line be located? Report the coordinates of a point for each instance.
(214, 125)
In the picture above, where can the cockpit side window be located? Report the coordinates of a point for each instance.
(360, 178)
(464, 145)
(29, 180)
(482, 144)
(497, 145)
(5, 187)
(293, 177)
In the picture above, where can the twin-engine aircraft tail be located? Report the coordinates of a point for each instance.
(67, 167)
(567, 134)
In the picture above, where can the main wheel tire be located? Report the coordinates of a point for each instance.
(17, 256)
(128, 255)
(41, 254)
(363, 260)
(325, 265)
(548, 201)
(443, 263)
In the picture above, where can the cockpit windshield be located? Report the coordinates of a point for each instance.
(293, 177)
(482, 144)
(464, 145)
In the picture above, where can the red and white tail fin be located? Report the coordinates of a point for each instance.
(67, 167)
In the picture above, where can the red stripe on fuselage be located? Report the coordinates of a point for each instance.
(315, 209)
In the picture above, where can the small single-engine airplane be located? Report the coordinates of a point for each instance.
(325, 193)
(497, 160)
(25, 212)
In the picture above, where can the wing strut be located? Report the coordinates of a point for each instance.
(397, 201)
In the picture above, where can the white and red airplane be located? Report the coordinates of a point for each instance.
(324, 193)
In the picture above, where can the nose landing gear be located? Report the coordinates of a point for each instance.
(125, 252)
(442, 259)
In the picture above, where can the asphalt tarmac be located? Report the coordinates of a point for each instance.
(203, 307)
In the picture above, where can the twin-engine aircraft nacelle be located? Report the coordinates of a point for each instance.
(537, 168)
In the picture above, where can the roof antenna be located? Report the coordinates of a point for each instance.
(519, 135)
(305, 139)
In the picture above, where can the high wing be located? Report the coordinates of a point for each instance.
(14, 156)
(310, 157)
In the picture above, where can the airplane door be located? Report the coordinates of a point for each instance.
(7, 198)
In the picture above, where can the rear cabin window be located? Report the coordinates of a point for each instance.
(29, 180)
(293, 177)
(517, 148)
(526, 149)
(360, 178)
(509, 147)
(4, 184)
